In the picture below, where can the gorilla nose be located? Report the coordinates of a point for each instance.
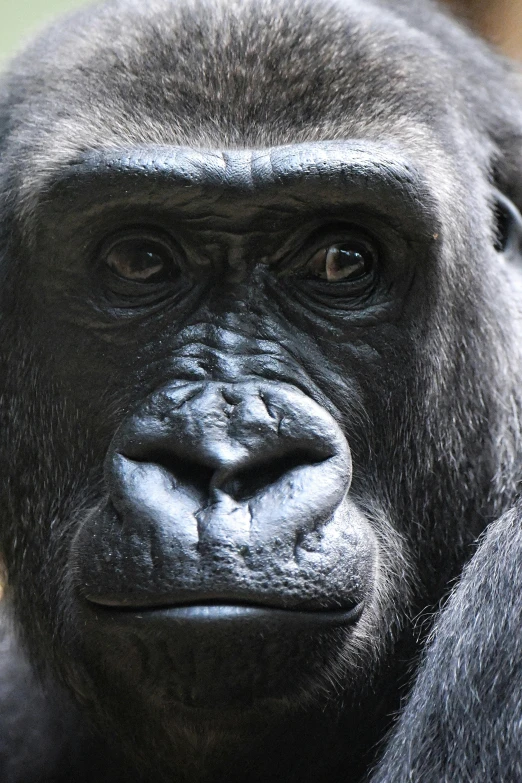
(229, 465)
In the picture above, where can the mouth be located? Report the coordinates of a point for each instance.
(228, 612)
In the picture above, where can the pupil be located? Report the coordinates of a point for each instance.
(343, 263)
(142, 259)
(350, 258)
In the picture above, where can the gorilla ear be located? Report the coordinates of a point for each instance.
(508, 225)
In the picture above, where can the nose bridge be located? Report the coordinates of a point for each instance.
(222, 353)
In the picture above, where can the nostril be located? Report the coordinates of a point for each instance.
(245, 483)
(240, 483)
(185, 471)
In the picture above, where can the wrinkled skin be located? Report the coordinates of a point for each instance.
(260, 396)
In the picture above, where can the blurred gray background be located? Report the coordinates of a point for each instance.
(498, 20)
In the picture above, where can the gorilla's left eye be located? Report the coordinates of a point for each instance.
(347, 261)
(141, 259)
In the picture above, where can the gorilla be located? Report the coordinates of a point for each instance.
(261, 397)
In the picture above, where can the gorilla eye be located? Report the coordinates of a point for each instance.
(141, 259)
(347, 261)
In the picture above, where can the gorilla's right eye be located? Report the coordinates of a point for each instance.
(141, 259)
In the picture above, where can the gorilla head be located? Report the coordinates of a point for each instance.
(260, 364)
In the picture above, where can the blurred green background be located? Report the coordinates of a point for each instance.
(20, 18)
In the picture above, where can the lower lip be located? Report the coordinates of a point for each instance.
(202, 614)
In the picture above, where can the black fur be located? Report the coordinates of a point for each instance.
(423, 377)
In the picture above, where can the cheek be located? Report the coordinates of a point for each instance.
(53, 455)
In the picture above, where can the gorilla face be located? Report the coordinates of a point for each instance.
(250, 426)
(226, 535)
